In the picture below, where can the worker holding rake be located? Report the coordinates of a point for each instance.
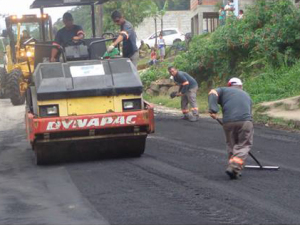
(237, 122)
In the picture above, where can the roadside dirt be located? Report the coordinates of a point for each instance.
(287, 109)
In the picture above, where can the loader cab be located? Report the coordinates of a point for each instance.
(21, 29)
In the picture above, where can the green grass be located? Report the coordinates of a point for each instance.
(144, 61)
(274, 84)
(203, 108)
(276, 122)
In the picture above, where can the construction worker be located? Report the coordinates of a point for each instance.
(67, 34)
(237, 122)
(188, 92)
(25, 36)
(127, 36)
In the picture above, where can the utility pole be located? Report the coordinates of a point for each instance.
(99, 20)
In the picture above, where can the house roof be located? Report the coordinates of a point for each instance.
(60, 3)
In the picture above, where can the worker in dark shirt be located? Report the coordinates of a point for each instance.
(237, 122)
(188, 92)
(69, 33)
(128, 36)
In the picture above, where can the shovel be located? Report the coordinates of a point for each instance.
(259, 166)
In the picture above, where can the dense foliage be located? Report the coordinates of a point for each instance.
(274, 83)
(154, 73)
(134, 11)
(269, 35)
(174, 4)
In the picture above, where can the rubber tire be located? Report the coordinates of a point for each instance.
(14, 88)
(176, 42)
(136, 147)
(42, 155)
(28, 98)
(2, 82)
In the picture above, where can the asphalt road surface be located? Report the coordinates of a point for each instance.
(179, 180)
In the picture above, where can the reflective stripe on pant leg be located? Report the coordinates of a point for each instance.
(192, 98)
(236, 163)
(237, 160)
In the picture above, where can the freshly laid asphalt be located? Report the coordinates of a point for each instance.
(179, 180)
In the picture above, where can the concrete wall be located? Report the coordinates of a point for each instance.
(172, 19)
(199, 7)
(197, 15)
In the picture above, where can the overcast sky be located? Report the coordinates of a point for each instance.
(20, 7)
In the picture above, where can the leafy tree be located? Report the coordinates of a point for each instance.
(133, 10)
(268, 35)
(173, 4)
(82, 17)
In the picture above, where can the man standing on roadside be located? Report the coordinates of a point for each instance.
(188, 92)
(128, 36)
(237, 122)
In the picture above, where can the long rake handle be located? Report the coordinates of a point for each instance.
(252, 156)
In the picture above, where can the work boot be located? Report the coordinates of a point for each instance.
(185, 117)
(193, 118)
(233, 174)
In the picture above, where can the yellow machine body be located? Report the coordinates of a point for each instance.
(20, 58)
(90, 105)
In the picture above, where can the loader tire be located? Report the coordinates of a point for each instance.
(2, 82)
(14, 79)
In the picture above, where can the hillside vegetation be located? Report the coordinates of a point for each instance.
(263, 49)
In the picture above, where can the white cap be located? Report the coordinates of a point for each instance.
(234, 82)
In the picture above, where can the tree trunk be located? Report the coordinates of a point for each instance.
(155, 24)
(99, 20)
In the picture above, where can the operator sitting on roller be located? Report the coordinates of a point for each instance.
(237, 122)
(69, 33)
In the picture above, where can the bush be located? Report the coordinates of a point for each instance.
(274, 84)
(154, 73)
(269, 35)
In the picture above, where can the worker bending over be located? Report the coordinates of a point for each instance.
(237, 122)
(188, 92)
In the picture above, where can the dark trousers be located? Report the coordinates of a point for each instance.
(190, 98)
(239, 140)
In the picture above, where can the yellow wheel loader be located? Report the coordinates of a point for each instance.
(16, 73)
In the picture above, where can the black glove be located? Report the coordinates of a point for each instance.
(173, 94)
